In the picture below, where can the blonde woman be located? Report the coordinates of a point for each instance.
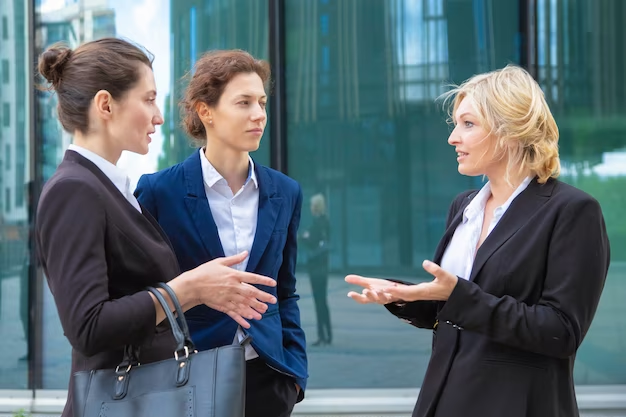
(519, 271)
(316, 242)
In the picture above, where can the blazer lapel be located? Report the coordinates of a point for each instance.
(529, 201)
(269, 206)
(198, 207)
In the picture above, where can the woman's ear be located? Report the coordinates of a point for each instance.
(102, 101)
(205, 113)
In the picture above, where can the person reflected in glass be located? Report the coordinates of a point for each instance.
(220, 201)
(98, 247)
(519, 271)
(316, 241)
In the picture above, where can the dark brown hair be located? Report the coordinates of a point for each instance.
(77, 75)
(211, 73)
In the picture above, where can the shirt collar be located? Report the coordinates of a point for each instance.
(116, 175)
(478, 203)
(212, 177)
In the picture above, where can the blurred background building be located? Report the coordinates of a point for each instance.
(352, 116)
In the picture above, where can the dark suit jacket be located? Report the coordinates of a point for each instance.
(506, 339)
(317, 244)
(177, 199)
(98, 253)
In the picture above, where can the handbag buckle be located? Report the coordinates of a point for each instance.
(117, 370)
(186, 348)
(121, 383)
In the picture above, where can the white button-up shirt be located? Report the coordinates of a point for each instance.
(458, 258)
(116, 175)
(235, 216)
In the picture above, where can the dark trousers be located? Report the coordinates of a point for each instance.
(268, 392)
(319, 286)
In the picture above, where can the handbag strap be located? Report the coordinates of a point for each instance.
(182, 337)
(180, 314)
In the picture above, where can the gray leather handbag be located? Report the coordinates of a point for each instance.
(210, 383)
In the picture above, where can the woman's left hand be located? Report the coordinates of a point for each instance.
(382, 291)
(374, 290)
(438, 289)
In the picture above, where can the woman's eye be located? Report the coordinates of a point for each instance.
(263, 104)
(469, 124)
(245, 102)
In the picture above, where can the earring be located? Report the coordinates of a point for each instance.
(210, 122)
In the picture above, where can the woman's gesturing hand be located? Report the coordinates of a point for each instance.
(231, 291)
(382, 291)
(375, 290)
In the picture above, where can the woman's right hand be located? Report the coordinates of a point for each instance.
(223, 288)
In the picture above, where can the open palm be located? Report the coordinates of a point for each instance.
(382, 291)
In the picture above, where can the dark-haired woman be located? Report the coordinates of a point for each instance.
(219, 202)
(99, 248)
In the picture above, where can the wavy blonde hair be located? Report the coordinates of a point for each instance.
(510, 104)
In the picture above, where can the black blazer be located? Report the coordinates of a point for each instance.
(98, 253)
(506, 339)
(317, 244)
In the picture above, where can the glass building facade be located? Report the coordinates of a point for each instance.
(352, 116)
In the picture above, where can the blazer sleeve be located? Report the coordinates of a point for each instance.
(423, 314)
(145, 196)
(578, 260)
(71, 230)
(293, 335)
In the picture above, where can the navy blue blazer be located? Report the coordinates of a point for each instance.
(177, 199)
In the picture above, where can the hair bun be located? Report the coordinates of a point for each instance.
(52, 63)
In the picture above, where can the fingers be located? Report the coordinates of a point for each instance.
(380, 296)
(233, 260)
(249, 302)
(251, 278)
(359, 298)
(247, 312)
(374, 289)
(248, 291)
(241, 309)
(257, 305)
(358, 280)
(240, 320)
(431, 267)
(387, 298)
(366, 282)
(370, 297)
